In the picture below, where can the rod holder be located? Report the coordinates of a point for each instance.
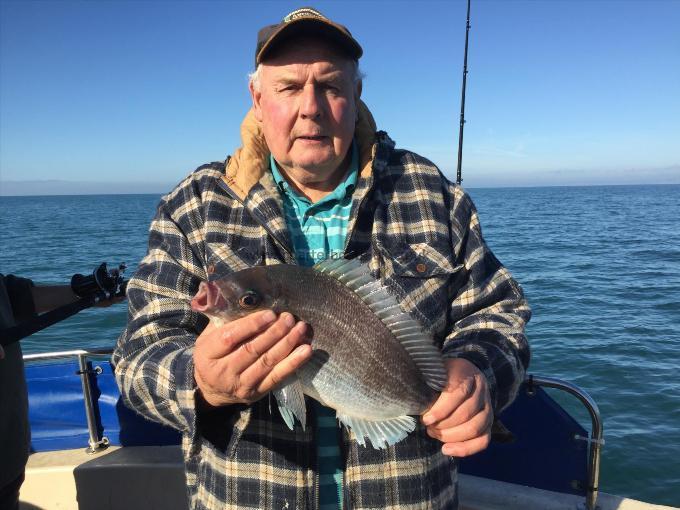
(95, 443)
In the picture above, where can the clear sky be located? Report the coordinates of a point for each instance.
(559, 92)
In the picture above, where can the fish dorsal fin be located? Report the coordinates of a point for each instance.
(382, 433)
(357, 277)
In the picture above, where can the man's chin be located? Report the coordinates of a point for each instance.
(318, 163)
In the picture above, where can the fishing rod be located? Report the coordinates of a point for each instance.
(101, 285)
(459, 173)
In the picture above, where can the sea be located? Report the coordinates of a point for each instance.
(600, 266)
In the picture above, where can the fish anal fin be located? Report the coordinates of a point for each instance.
(381, 433)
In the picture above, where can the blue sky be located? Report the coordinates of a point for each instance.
(559, 92)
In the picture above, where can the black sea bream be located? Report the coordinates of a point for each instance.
(371, 362)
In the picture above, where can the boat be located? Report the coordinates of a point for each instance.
(91, 452)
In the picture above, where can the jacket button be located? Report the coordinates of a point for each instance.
(421, 267)
(211, 269)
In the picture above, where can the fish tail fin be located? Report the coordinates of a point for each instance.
(291, 402)
(382, 433)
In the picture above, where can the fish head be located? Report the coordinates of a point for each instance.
(237, 295)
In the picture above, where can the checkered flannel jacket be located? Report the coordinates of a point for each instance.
(420, 235)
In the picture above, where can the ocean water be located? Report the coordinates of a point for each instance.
(600, 266)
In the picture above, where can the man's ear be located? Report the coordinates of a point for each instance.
(255, 95)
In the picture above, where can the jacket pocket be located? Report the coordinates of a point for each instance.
(422, 276)
(421, 260)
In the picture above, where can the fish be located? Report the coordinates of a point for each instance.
(371, 362)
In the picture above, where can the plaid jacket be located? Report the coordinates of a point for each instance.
(419, 234)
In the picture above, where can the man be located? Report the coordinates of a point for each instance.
(312, 180)
(16, 305)
(20, 302)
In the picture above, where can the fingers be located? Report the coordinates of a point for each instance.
(477, 425)
(256, 356)
(285, 368)
(462, 416)
(467, 448)
(450, 400)
(467, 431)
(217, 342)
(273, 366)
(257, 351)
(471, 407)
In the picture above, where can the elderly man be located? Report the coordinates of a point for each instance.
(314, 179)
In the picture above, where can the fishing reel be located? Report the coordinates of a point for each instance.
(102, 284)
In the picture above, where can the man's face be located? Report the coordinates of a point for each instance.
(306, 101)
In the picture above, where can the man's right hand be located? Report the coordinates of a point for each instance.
(245, 359)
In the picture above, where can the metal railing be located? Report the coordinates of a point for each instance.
(595, 440)
(95, 442)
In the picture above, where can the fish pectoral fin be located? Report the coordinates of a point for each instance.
(381, 433)
(291, 402)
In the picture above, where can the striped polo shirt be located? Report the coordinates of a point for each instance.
(318, 231)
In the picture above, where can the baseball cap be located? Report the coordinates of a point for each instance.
(305, 21)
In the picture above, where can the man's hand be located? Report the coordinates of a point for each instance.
(243, 360)
(461, 417)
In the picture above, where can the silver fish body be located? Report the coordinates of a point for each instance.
(371, 362)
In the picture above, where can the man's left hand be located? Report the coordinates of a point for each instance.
(462, 416)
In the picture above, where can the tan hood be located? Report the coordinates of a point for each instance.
(250, 162)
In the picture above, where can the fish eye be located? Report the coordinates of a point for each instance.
(249, 300)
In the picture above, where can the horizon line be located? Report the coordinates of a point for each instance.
(525, 186)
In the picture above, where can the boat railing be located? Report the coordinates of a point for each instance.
(95, 443)
(595, 441)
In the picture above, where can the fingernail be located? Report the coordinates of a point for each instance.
(268, 317)
(447, 450)
(300, 350)
(288, 320)
(428, 419)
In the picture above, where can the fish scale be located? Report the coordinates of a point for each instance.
(368, 355)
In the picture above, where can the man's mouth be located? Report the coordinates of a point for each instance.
(316, 138)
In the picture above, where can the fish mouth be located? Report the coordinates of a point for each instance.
(209, 299)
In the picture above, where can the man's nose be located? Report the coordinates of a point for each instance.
(311, 105)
